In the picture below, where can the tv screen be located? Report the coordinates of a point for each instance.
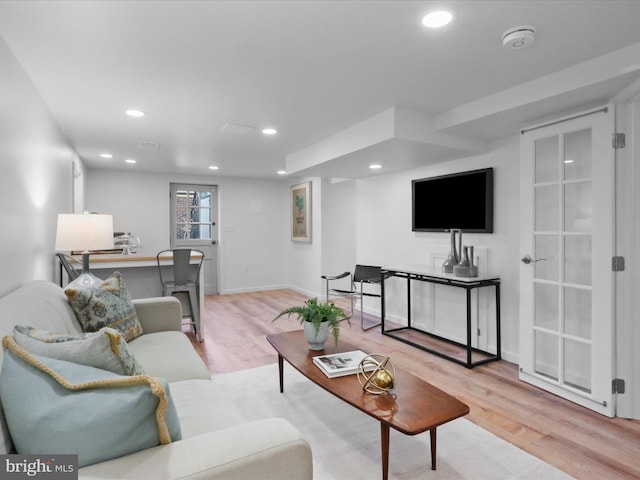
(459, 200)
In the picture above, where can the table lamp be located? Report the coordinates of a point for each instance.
(84, 232)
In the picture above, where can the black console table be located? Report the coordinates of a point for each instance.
(400, 333)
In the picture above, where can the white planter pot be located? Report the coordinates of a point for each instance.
(315, 340)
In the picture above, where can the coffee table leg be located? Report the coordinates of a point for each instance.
(384, 440)
(432, 432)
(280, 371)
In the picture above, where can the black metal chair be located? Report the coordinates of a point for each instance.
(184, 279)
(67, 263)
(362, 276)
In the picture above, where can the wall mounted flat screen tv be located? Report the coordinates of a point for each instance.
(459, 200)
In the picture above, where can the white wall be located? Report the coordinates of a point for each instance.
(384, 236)
(338, 230)
(253, 221)
(305, 259)
(35, 178)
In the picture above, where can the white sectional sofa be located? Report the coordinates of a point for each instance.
(216, 441)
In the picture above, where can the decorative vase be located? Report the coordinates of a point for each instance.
(465, 267)
(464, 261)
(473, 269)
(316, 340)
(453, 258)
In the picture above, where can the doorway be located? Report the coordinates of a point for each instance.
(194, 223)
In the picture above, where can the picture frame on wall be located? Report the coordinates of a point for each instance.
(301, 212)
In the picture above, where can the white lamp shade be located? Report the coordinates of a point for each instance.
(84, 232)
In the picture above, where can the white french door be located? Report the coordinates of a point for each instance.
(567, 243)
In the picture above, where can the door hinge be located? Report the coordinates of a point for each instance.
(479, 333)
(617, 264)
(617, 386)
(618, 140)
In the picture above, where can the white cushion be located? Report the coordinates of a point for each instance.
(168, 355)
(202, 407)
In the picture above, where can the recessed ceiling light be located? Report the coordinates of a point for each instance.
(106, 155)
(213, 167)
(134, 113)
(269, 131)
(375, 166)
(437, 19)
(282, 172)
(130, 160)
(568, 161)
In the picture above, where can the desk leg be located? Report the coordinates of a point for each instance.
(432, 434)
(468, 328)
(280, 372)
(384, 440)
(498, 333)
(200, 323)
(409, 301)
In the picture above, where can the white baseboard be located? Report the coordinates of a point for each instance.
(229, 291)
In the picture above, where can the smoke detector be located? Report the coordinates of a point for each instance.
(518, 37)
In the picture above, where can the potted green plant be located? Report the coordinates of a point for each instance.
(318, 320)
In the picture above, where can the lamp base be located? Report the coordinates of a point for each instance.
(85, 280)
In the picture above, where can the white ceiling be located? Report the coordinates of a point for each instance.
(344, 82)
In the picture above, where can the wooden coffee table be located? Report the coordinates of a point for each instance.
(414, 406)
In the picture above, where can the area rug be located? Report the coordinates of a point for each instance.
(346, 442)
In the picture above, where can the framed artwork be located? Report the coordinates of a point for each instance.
(301, 212)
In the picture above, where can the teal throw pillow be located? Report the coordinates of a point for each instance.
(106, 305)
(60, 407)
(105, 349)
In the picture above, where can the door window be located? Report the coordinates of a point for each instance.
(193, 215)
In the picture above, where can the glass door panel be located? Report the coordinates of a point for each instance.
(577, 312)
(578, 207)
(547, 247)
(577, 260)
(547, 208)
(546, 307)
(546, 355)
(546, 159)
(577, 365)
(577, 154)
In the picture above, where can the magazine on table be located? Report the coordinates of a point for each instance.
(340, 364)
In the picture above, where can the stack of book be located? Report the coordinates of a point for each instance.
(340, 364)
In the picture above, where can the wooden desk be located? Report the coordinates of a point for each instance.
(114, 260)
(413, 407)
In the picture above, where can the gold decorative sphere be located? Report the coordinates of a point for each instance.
(383, 379)
(376, 374)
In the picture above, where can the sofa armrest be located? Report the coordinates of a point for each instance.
(265, 449)
(159, 314)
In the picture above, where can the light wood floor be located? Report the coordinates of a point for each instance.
(584, 444)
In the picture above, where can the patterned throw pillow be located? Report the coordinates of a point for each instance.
(57, 406)
(105, 349)
(106, 305)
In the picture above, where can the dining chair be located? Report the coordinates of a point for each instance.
(182, 276)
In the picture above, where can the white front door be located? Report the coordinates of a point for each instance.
(567, 243)
(194, 223)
